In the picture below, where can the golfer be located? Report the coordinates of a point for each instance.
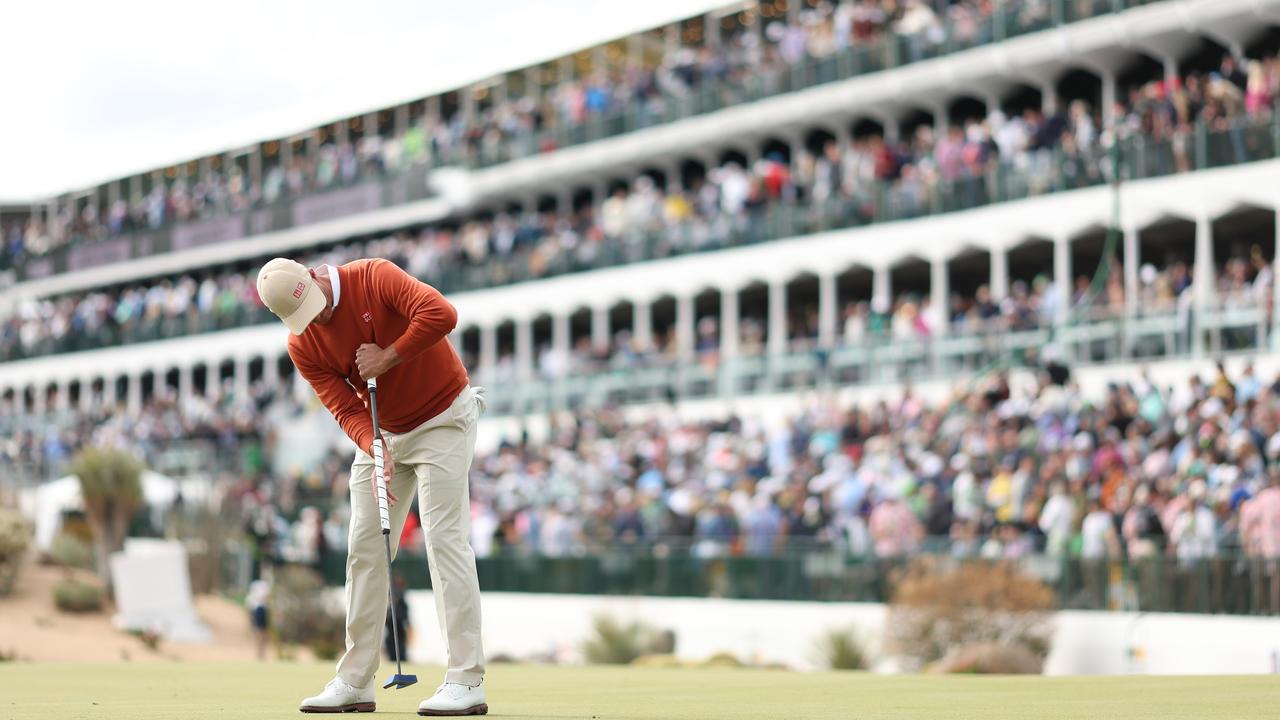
(369, 319)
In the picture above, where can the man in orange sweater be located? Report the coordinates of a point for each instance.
(369, 319)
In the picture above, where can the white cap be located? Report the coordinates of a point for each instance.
(288, 290)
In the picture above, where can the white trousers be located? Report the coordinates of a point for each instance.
(434, 458)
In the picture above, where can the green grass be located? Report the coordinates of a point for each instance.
(181, 691)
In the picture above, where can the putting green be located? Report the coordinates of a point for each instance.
(181, 691)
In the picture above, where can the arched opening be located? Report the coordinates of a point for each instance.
(910, 284)
(970, 306)
(802, 312)
(200, 379)
(583, 356)
(853, 296)
(505, 342)
(621, 331)
(964, 108)
(1079, 84)
(148, 382)
(467, 343)
(706, 325)
(1021, 98)
(753, 319)
(545, 362)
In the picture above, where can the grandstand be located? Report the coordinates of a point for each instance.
(880, 277)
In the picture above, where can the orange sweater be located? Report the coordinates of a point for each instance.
(380, 303)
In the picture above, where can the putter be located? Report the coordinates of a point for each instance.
(399, 680)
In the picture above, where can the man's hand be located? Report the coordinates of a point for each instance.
(372, 361)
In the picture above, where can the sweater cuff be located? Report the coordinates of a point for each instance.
(364, 440)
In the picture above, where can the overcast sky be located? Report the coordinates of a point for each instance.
(98, 90)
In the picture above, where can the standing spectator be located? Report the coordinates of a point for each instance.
(895, 530)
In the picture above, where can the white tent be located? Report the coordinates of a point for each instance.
(44, 504)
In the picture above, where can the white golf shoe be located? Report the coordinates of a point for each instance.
(455, 699)
(338, 697)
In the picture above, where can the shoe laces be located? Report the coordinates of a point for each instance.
(452, 689)
(340, 685)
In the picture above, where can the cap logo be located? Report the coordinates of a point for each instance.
(297, 292)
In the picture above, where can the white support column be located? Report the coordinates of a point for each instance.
(684, 327)
(186, 381)
(86, 394)
(1108, 99)
(728, 323)
(999, 271)
(777, 317)
(642, 321)
(64, 395)
(827, 311)
(241, 382)
(39, 399)
(524, 348)
(1048, 98)
(600, 327)
(881, 292)
(1131, 260)
(133, 395)
(1062, 277)
(560, 338)
(271, 369)
(1202, 279)
(488, 352)
(939, 292)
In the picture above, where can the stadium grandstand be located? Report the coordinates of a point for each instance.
(979, 278)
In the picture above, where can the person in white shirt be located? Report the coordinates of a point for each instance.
(1057, 518)
(1098, 534)
(1194, 532)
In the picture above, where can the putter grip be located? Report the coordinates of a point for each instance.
(379, 462)
(380, 482)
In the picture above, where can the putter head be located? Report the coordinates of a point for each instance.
(400, 681)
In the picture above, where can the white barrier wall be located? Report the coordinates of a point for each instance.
(532, 626)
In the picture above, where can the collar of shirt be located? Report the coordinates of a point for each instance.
(335, 284)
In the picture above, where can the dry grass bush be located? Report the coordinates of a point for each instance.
(842, 649)
(940, 605)
(990, 659)
(77, 596)
(15, 536)
(69, 551)
(300, 615)
(618, 643)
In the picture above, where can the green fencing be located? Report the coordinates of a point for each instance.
(1232, 583)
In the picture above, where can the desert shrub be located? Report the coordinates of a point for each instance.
(301, 615)
(657, 661)
(15, 536)
(70, 551)
(990, 659)
(721, 660)
(111, 486)
(940, 605)
(149, 637)
(77, 596)
(617, 643)
(841, 649)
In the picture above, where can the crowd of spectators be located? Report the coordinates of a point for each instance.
(993, 471)
(747, 58)
(997, 469)
(827, 185)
